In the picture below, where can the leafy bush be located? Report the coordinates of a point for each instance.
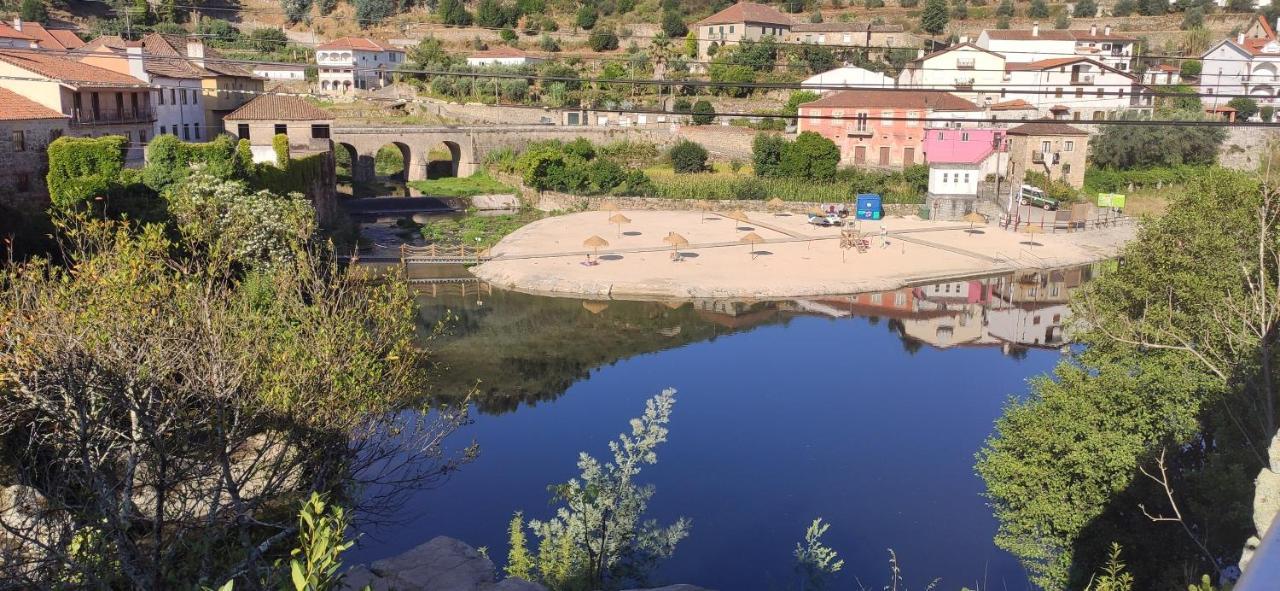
(1191, 68)
(673, 24)
(1245, 107)
(580, 148)
(373, 12)
(687, 156)
(586, 17)
(766, 153)
(603, 39)
(703, 113)
(1144, 146)
(452, 12)
(605, 175)
(34, 11)
(1267, 112)
(267, 39)
(1005, 9)
(1038, 9)
(810, 156)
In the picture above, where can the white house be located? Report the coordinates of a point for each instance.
(966, 70)
(15, 39)
(280, 71)
(178, 99)
(1075, 88)
(356, 63)
(847, 77)
(1102, 45)
(959, 159)
(501, 56)
(1247, 65)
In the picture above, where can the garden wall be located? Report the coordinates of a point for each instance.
(554, 201)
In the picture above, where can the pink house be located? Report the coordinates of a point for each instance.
(883, 127)
(959, 160)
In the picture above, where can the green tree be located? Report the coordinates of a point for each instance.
(326, 7)
(1239, 5)
(1061, 22)
(586, 17)
(452, 12)
(703, 112)
(734, 79)
(1140, 146)
(934, 17)
(1005, 9)
(673, 24)
(373, 12)
(1124, 7)
(798, 98)
(1153, 7)
(691, 45)
(1085, 9)
(603, 39)
(1190, 68)
(1038, 9)
(1267, 112)
(1193, 18)
(548, 43)
(34, 11)
(597, 538)
(817, 59)
(960, 9)
(295, 10)
(687, 156)
(267, 39)
(766, 154)
(1002, 23)
(429, 54)
(810, 156)
(1245, 107)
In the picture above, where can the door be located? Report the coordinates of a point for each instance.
(860, 155)
(908, 156)
(884, 155)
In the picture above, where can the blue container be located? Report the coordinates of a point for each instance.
(868, 207)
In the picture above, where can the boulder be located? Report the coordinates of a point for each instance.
(517, 585)
(680, 587)
(442, 564)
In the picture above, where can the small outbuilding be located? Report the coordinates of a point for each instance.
(263, 118)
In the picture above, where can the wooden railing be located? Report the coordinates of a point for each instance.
(443, 254)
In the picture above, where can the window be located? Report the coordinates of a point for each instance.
(966, 178)
(1045, 147)
(722, 29)
(1057, 93)
(862, 122)
(1066, 170)
(964, 136)
(163, 130)
(242, 131)
(142, 136)
(161, 93)
(941, 135)
(912, 117)
(1035, 320)
(186, 131)
(1068, 146)
(320, 131)
(1004, 92)
(730, 29)
(282, 128)
(19, 141)
(944, 177)
(23, 182)
(173, 96)
(196, 128)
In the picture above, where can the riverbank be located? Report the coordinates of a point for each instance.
(792, 258)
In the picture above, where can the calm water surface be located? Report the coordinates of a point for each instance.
(865, 410)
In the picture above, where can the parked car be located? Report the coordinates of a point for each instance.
(1030, 195)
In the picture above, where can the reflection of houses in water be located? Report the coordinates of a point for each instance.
(736, 314)
(1036, 325)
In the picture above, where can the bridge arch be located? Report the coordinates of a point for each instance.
(394, 160)
(444, 159)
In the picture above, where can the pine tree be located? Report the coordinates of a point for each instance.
(934, 17)
(1038, 9)
(1005, 9)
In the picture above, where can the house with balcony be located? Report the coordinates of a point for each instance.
(1049, 147)
(884, 128)
(1075, 88)
(1107, 47)
(26, 128)
(1246, 65)
(356, 63)
(1102, 45)
(965, 70)
(744, 21)
(959, 160)
(178, 100)
(96, 101)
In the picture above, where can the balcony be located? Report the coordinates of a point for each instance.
(861, 132)
(1081, 79)
(964, 83)
(964, 64)
(88, 118)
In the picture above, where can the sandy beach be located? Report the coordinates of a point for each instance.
(793, 259)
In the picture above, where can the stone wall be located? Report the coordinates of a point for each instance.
(554, 201)
(26, 167)
(1245, 146)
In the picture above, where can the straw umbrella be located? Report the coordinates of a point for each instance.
(676, 241)
(703, 207)
(775, 204)
(974, 217)
(751, 238)
(608, 206)
(619, 219)
(594, 243)
(594, 307)
(1031, 231)
(738, 215)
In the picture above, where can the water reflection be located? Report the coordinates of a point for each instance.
(516, 348)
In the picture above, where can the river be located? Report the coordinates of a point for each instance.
(863, 410)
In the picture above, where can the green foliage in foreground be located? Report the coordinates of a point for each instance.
(474, 230)
(476, 184)
(1063, 470)
(597, 538)
(1144, 146)
(1105, 180)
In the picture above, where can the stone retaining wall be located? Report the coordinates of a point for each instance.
(554, 201)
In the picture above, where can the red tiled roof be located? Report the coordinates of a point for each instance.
(1266, 26)
(66, 71)
(1013, 105)
(7, 32)
(272, 107)
(503, 51)
(15, 107)
(63, 39)
(1046, 127)
(967, 44)
(1044, 64)
(924, 99)
(1100, 35)
(359, 44)
(748, 12)
(1025, 35)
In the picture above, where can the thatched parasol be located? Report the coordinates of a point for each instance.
(1031, 231)
(594, 243)
(619, 219)
(751, 238)
(608, 206)
(594, 307)
(775, 204)
(974, 217)
(676, 241)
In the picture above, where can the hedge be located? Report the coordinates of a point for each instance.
(1105, 180)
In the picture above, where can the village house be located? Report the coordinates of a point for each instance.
(883, 127)
(502, 56)
(1247, 65)
(280, 71)
(177, 100)
(744, 21)
(1102, 45)
(46, 38)
(97, 101)
(1074, 88)
(959, 160)
(1162, 75)
(846, 77)
(26, 128)
(263, 118)
(11, 38)
(1051, 148)
(966, 70)
(356, 63)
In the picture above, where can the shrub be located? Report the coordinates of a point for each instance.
(217, 30)
(34, 11)
(874, 4)
(580, 148)
(1191, 68)
(372, 12)
(1061, 22)
(605, 175)
(810, 156)
(548, 43)
(1005, 9)
(1193, 18)
(1267, 112)
(1245, 107)
(452, 12)
(749, 188)
(1085, 9)
(1038, 9)
(603, 39)
(766, 153)
(673, 24)
(703, 113)
(682, 105)
(267, 39)
(909, 3)
(688, 156)
(586, 17)
(1124, 8)
(508, 36)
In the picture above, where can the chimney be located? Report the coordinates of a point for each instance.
(1106, 30)
(964, 38)
(137, 65)
(1093, 30)
(1035, 29)
(195, 51)
(17, 23)
(919, 53)
(1240, 39)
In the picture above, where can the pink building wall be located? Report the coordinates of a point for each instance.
(959, 146)
(869, 142)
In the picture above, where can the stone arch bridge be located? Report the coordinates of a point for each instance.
(467, 145)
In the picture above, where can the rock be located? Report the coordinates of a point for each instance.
(28, 525)
(442, 564)
(681, 587)
(1266, 501)
(517, 585)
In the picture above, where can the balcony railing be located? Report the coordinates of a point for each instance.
(88, 118)
(964, 64)
(1081, 79)
(861, 132)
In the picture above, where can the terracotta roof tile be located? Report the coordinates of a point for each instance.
(748, 12)
(1046, 127)
(1044, 64)
(1013, 105)
(1100, 35)
(272, 107)
(925, 99)
(8, 32)
(15, 107)
(62, 39)
(1026, 35)
(359, 44)
(67, 71)
(967, 44)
